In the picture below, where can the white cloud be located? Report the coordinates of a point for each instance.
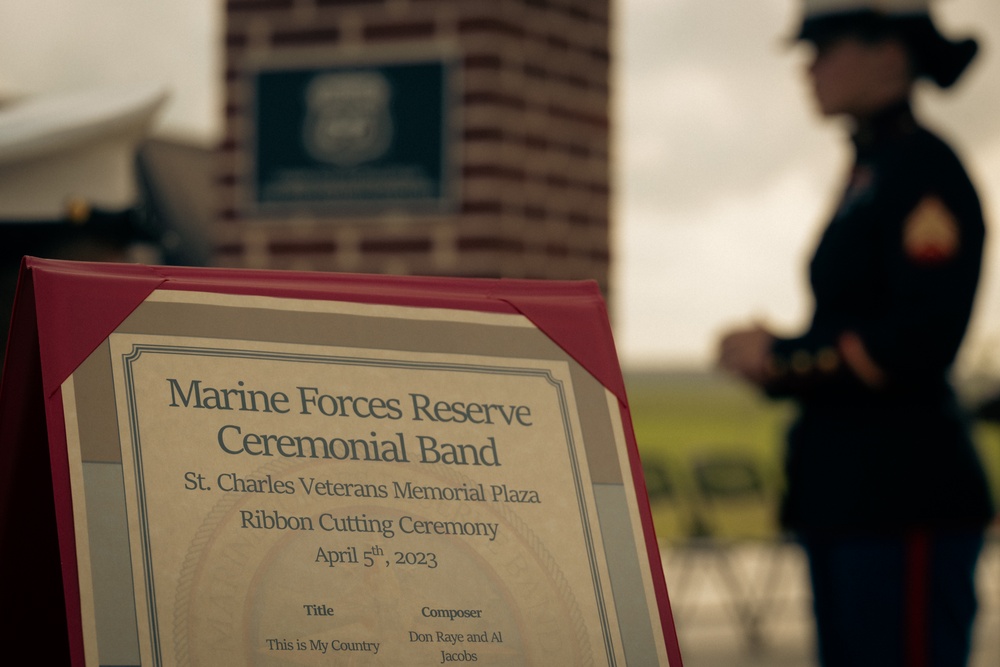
(686, 280)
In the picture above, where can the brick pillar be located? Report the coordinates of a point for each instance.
(531, 148)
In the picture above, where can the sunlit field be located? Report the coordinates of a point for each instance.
(711, 449)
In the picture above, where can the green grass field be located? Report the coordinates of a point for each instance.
(698, 430)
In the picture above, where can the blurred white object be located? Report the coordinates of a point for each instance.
(81, 146)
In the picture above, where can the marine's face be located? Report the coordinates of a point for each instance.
(856, 78)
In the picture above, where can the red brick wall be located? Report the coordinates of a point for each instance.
(533, 145)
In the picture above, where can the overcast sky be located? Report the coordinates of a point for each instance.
(723, 175)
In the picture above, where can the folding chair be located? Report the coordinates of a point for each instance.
(739, 503)
(730, 510)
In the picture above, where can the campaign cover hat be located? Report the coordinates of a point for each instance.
(934, 56)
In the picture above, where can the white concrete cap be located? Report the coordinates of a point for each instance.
(81, 145)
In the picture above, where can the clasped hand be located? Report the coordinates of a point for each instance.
(746, 353)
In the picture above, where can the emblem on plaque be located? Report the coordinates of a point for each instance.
(348, 121)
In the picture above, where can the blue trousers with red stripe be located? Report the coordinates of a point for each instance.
(886, 602)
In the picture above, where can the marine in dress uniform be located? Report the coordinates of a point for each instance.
(884, 487)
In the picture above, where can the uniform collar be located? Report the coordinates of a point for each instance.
(891, 123)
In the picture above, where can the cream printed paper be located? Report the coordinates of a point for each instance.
(295, 505)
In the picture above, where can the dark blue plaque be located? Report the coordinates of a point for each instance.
(353, 138)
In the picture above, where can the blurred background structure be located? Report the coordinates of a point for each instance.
(664, 148)
(493, 118)
(494, 161)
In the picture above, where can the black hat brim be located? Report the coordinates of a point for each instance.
(934, 55)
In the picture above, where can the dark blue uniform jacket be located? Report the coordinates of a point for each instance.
(898, 265)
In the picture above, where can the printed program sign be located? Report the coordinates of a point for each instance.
(285, 481)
